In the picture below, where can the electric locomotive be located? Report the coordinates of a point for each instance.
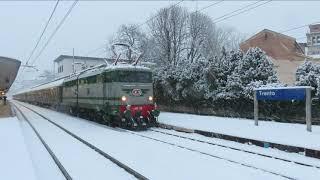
(117, 95)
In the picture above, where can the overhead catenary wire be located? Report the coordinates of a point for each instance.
(298, 27)
(210, 5)
(241, 12)
(43, 31)
(56, 30)
(95, 50)
(170, 7)
(40, 37)
(224, 17)
(237, 10)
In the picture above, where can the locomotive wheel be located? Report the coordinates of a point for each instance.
(133, 125)
(71, 111)
(106, 120)
(142, 124)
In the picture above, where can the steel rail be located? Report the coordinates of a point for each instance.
(104, 154)
(211, 155)
(53, 156)
(237, 149)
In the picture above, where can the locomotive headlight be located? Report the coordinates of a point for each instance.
(150, 98)
(123, 98)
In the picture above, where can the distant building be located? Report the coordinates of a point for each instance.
(65, 65)
(285, 53)
(313, 41)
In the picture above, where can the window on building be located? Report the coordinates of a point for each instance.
(318, 39)
(60, 69)
(313, 40)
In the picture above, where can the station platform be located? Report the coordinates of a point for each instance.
(5, 110)
(14, 154)
(283, 136)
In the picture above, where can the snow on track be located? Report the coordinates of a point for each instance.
(154, 159)
(284, 168)
(44, 165)
(80, 161)
(269, 152)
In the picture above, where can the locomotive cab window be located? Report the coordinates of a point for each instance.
(132, 76)
(107, 77)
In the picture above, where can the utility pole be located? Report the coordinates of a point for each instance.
(256, 108)
(73, 69)
(308, 109)
(106, 51)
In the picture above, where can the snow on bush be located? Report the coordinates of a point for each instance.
(229, 77)
(308, 74)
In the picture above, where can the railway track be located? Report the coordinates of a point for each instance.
(212, 155)
(91, 146)
(52, 154)
(236, 149)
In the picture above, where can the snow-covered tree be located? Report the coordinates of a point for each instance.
(168, 31)
(308, 74)
(132, 36)
(254, 69)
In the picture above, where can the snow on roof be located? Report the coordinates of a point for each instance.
(127, 67)
(104, 67)
(288, 87)
(44, 86)
(91, 71)
(62, 57)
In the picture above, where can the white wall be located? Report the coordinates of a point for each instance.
(68, 65)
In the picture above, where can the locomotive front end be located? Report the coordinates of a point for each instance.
(134, 90)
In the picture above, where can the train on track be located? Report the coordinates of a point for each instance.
(116, 95)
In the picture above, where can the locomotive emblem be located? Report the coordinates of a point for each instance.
(136, 92)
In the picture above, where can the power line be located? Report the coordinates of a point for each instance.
(39, 39)
(172, 6)
(299, 38)
(237, 10)
(298, 27)
(95, 50)
(224, 17)
(210, 5)
(43, 31)
(55, 31)
(241, 12)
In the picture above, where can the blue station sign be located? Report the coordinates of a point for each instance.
(281, 94)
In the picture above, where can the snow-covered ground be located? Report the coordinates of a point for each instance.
(158, 160)
(15, 162)
(273, 165)
(282, 133)
(294, 157)
(80, 161)
(42, 162)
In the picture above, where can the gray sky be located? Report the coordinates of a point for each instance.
(91, 23)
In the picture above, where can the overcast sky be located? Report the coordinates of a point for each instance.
(91, 23)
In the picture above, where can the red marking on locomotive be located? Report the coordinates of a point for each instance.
(143, 108)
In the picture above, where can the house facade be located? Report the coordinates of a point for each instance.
(65, 64)
(313, 42)
(285, 53)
